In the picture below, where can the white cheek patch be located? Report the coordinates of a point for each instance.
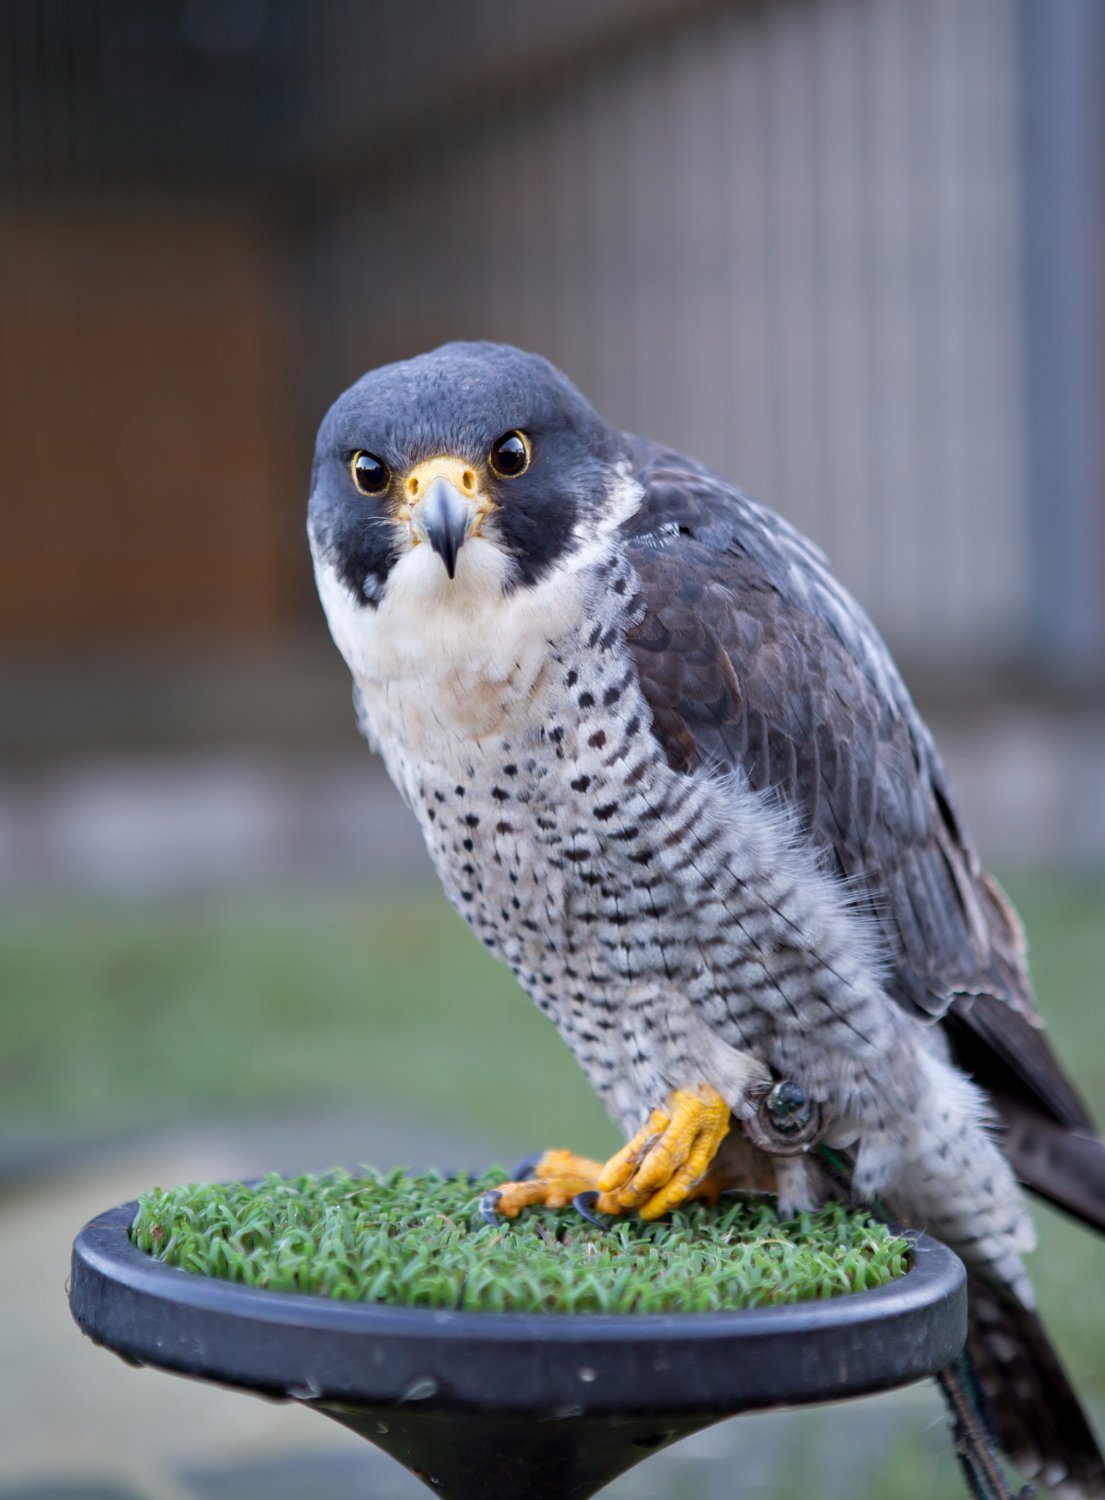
(339, 606)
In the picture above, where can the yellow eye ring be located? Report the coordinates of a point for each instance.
(510, 455)
(370, 474)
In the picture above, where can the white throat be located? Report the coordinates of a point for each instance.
(466, 652)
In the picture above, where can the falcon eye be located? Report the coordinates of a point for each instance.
(509, 455)
(370, 474)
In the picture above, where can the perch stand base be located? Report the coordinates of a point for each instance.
(505, 1405)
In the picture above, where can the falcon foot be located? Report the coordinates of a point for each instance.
(667, 1161)
(665, 1164)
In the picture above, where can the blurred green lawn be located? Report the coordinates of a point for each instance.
(113, 1016)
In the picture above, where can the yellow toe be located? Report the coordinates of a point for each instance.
(622, 1166)
(558, 1177)
(668, 1160)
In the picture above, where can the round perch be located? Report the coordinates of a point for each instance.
(508, 1404)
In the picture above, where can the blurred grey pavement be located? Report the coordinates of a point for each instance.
(130, 826)
(133, 827)
(82, 1425)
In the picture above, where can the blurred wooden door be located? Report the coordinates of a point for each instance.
(147, 483)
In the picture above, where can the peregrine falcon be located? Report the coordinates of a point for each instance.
(668, 772)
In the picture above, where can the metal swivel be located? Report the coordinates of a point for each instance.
(786, 1122)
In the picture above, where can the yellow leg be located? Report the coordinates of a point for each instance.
(667, 1163)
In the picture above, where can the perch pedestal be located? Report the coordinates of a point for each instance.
(506, 1405)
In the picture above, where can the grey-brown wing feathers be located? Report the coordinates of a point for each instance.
(752, 658)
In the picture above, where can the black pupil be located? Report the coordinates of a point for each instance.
(510, 454)
(372, 475)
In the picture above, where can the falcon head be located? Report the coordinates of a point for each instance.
(461, 475)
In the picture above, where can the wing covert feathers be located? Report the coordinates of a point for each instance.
(754, 660)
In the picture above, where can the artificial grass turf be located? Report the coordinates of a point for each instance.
(417, 1241)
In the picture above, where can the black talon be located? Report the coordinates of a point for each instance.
(526, 1168)
(488, 1204)
(583, 1204)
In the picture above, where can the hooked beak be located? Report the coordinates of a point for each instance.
(445, 504)
(443, 517)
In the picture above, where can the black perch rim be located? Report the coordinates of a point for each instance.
(572, 1398)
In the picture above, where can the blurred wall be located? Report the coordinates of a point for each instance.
(850, 252)
(142, 419)
(796, 238)
(787, 237)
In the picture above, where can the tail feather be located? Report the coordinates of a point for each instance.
(1027, 1398)
(1067, 1167)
